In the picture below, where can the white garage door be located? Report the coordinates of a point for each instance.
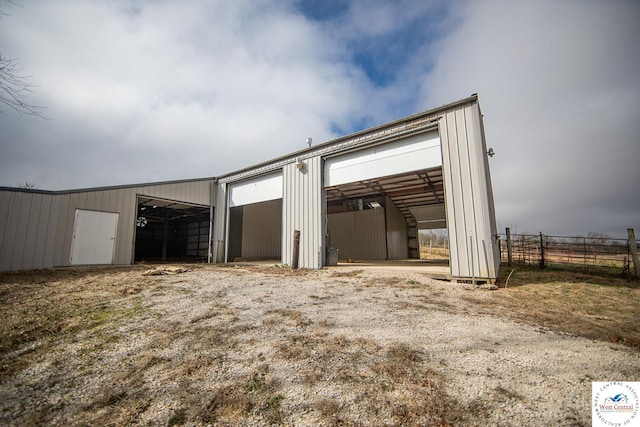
(416, 152)
(429, 217)
(94, 236)
(255, 190)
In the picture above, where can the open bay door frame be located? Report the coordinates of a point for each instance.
(94, 237)
(254, 217)
(256, 190)
(416, 152)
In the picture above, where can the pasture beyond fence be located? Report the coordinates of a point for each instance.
(593, 254)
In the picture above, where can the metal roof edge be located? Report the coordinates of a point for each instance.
(106, 188)
(294, 154)
(27, 190)
(372, 130)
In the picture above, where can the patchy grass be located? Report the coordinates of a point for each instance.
(59, 303)
(87, 347)
(599, 307)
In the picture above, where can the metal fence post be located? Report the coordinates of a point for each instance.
(541, 250)
(633, 250)
(509, 249)
(295, 249)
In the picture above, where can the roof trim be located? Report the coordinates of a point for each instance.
(113, 187)
(325, 145)
(358, 139)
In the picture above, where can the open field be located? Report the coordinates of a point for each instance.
(270, 346)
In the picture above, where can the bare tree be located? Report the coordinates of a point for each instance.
(15, 86)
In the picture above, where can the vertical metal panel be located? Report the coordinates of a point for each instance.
(262, 230)
(22, 223)
(65, 227)
(397, 237)
(27, 257)
(25, 230)
(126, 227)
(39, 240)
(51, 233)
(467, 194)
(453, 195)
(478, 188)
(10, 219)
(220, 220)
(489, 192)
(304, 210)
(359, 234)
(90, 201)
(5, 209)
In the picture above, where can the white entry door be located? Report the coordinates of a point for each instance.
(94, 237)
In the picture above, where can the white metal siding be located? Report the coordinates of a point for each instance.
(6, 233)
(397, 237)
(36, 228)
(262, 230)
(27, 229)
(304, 210)
(408, 154)
(467, 194)
(358, 234)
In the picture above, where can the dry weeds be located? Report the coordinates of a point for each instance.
(599, 307)
(270, 346)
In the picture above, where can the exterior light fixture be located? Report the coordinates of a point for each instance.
(491, 153)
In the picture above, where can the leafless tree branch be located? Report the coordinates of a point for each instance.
(14, 85)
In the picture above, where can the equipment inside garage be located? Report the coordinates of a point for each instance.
(171, 230)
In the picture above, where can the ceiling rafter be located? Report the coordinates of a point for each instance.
(418, 188)
(425, 176)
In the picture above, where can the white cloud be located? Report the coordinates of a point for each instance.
(558, 85)
(145, 91)
(206, 80)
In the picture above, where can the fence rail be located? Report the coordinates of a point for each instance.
(602, 254)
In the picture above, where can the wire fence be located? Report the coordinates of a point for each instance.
(593, 254)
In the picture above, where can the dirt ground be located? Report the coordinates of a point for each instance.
(271, 346)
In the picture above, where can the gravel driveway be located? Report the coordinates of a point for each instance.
(251, 346)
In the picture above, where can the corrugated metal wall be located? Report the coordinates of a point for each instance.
(397, 237)
(262, 230)
(28, 222)
(468, 194)
(469, 199)
(304, 209)
(37, 227)
(359, 234)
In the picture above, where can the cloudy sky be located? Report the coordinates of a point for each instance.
(140, 91)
